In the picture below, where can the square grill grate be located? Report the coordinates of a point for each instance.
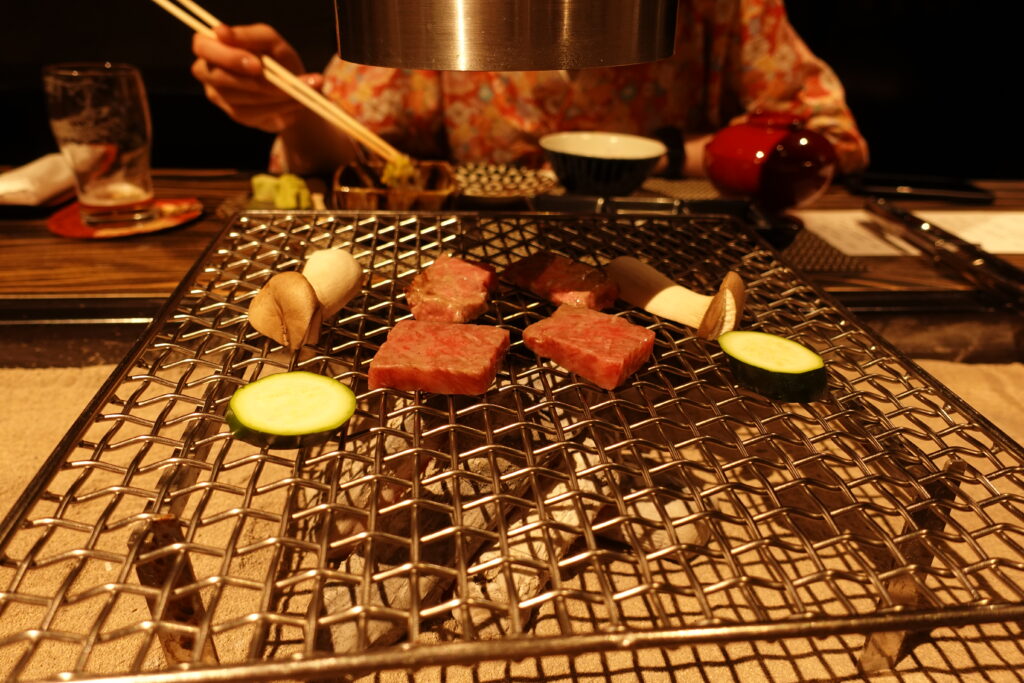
(545, 517)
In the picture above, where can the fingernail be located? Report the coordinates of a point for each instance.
(250, 64)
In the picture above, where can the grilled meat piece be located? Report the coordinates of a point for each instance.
(596, 346)
(444, 358)
(563, 281)
(451, 290)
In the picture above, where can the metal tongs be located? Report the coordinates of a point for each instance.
(974, 264)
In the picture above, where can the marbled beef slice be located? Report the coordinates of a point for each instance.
(443, 358)
(451, 290)
(563, 281)
(596, 346)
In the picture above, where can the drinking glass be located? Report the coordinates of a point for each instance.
(99, 116)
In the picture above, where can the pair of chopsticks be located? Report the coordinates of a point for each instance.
(203, 22)
(972, 263)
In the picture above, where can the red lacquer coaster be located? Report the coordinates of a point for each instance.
(170, 213)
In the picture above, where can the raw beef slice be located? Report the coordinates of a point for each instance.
(451, 290)
(596, 346)
(563, 281)
(443, 358)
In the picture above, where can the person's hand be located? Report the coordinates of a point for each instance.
(232, 76)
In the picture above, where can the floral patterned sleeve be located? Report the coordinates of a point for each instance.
(780, 73)
(401, 105)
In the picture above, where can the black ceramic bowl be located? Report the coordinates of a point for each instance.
(599, 163)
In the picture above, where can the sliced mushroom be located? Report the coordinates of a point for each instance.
(287, 310)
(725, 309)
(644, 286)
(336, 277)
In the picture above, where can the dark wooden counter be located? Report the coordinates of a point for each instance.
(35, 264)
(915, 274)
(39, 270)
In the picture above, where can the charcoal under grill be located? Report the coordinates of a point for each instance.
(545, 517)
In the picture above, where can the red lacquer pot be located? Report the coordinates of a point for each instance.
(772, 159)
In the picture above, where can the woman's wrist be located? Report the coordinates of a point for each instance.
(694, 164)
(311, 145)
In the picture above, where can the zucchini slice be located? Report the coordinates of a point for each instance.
(290, 410)
(774, 366)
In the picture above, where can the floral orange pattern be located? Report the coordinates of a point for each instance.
(732, 57)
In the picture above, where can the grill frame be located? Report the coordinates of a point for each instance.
(720, 242)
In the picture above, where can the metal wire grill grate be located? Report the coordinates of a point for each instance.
(546, 517)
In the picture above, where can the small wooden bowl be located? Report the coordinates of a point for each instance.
(357, 187)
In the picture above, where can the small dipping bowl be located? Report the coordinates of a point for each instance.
(600, 163)
(357, 187)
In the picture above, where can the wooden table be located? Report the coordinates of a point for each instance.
(37, 267)
(99, 293)
(45, 277)
(912, 273)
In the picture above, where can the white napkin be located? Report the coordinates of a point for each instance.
(36, 181)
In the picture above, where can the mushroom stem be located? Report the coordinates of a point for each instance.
(646, 287)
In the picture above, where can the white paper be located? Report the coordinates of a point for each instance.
(853, 231)
(997, 232)
(36, 181)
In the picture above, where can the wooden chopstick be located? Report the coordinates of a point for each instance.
(288, 82)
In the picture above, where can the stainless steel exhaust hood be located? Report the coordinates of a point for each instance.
(505, 35)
